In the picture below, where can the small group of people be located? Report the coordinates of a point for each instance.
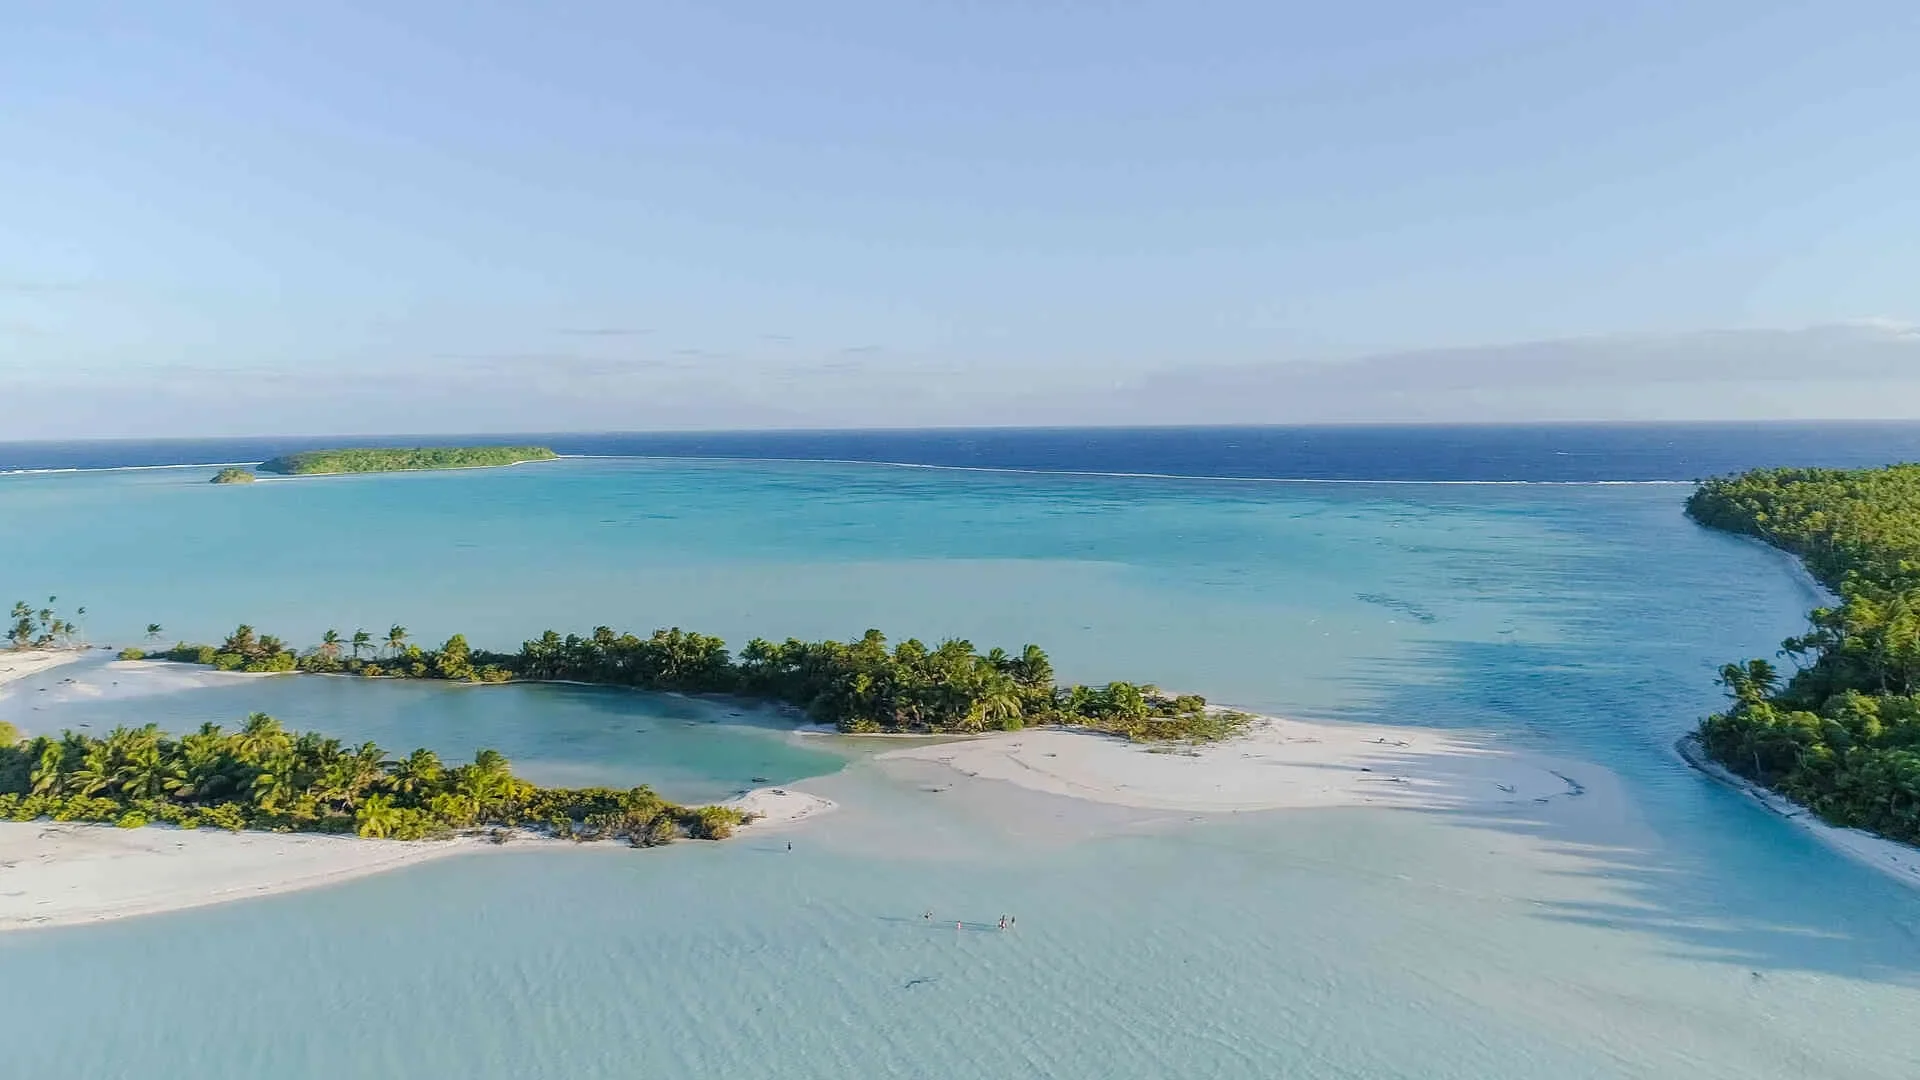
(1006, 921)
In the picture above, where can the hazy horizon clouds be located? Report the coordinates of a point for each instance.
(1850, 371)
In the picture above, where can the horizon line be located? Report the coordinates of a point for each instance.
(1317, 425)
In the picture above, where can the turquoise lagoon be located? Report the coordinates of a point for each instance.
(1662, 927)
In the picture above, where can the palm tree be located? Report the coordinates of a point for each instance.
(330, 645)
(396, 637)
(21, 632)
(142, 773)
(454, 806)
(240, 641)
(997, 705)
(203, 758)
(379, 817)
(260, 738)
(154, 631)
(366, 767)
(273, 783)
(419, 774)
(361, 640)
(486, 781)
(94, 773)
(47, 778)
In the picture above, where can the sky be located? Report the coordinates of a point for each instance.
(234, 218)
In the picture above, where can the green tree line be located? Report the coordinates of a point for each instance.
(266, 777)
(865, 686)
(1841, 734)
(402, 459)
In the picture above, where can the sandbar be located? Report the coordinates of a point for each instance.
(1276, 765)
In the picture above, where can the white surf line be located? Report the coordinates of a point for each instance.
(128, 468)
(739, 459)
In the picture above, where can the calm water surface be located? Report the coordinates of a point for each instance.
(1681, 933)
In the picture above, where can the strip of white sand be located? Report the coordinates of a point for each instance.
(56, 874)
(1277, 764)
(1891, 857)
(23, 663)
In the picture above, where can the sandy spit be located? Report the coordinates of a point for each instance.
(1278, 764)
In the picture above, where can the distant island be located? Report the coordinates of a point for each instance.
(403, 459)
(232, 476)
(1842, 735)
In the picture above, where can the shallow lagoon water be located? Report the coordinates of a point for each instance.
(1685, 934)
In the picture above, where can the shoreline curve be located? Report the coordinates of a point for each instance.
(1899, 861)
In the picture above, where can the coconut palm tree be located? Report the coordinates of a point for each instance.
(21, 632)
(361, 640)
(486, 781)
(154, 631)
(454, 807)
(330, 645)
(396, 638)
(260, 738)
(48, 771)
(241, 641)
(997, 704)
(378, 817)
(418, 775)
(365, 767)
(142, 773)
(273, 784)
(94, 774)
(203, 764)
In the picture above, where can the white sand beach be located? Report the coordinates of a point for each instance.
(61, 874)
(54, 874)
(775, 808)
(16, 664)
(1278, 764)
(1891, 857)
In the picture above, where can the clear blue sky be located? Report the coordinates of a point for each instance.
(718, 213)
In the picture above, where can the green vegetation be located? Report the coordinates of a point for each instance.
(858, 687)
(1842, 735)
(232, 476)
(265, 777)
(317, 462)
(41, 628)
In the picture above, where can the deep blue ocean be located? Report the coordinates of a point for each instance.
(1540, 452)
